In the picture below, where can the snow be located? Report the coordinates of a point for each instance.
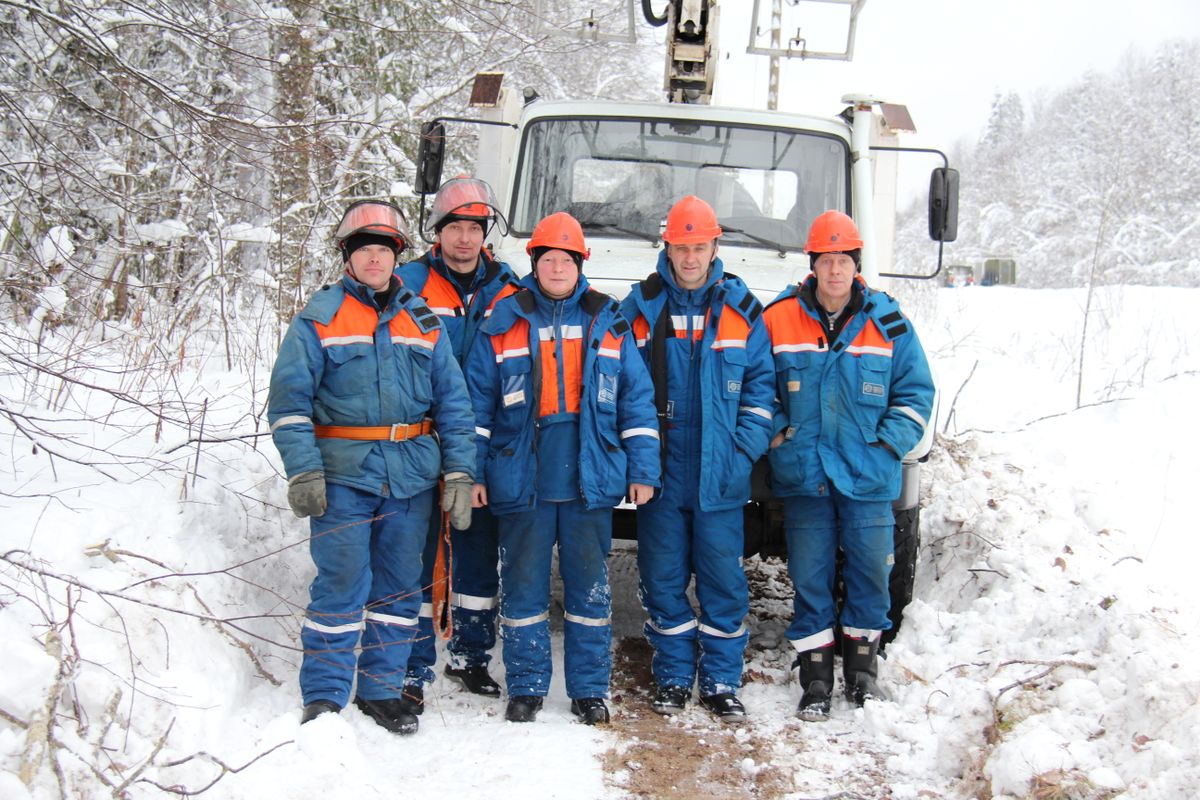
(1051, 647)
(162, 232)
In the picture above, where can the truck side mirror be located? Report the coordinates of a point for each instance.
(943, 204)
(430, 155)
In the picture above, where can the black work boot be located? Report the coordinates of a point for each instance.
(670, 700)
(725, 705)
(816, 682)
(474, 679)
(590, 710)
(860, 668)
(318, 707)
(523, 709)
(391, 714)
(413, 698)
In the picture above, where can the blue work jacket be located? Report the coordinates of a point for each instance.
(850, 408)
(536, 360)
(719, 378)
(461, 312)
(343, 362)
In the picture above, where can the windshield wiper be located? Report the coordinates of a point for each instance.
(594, 226)
(778, 247)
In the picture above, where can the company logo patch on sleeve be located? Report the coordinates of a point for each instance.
(873, 389)
(733, 387)
(793, 386)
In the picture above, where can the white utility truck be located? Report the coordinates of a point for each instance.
(618, 167)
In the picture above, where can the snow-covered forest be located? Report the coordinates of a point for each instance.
(168, 177)
(1089, 184)
(178, 159)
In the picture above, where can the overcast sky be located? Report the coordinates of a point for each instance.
(946, 59)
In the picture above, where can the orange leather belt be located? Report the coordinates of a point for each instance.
(366, 433)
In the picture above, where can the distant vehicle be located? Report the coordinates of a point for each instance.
(960, 275)
(999, 272)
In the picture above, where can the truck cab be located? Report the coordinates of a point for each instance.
(619, 167)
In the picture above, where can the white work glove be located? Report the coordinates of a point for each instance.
(456, 499)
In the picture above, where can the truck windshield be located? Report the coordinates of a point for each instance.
(620, 176)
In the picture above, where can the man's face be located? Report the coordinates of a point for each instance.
(835, 275)
(690, 263)
(557, 274)
(372, 265)
(461, 241)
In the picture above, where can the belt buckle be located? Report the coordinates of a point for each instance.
(392, 434)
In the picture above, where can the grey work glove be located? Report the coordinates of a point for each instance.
(456, 499)
(306, 494)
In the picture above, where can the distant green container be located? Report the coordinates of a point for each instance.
(999, 272)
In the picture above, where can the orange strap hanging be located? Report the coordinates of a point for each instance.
(443, 623)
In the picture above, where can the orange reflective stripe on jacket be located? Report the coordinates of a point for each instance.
(514, 343)
(568, 372)
(732, 330)
(441, 297)
(355, 323)
(641, 331)
(792, 330)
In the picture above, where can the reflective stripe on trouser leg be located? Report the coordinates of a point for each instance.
(476, 591)
(526, 551)
(810, 527)
(867, 540)
(584, 540)
(424, 649)
(340, 546)
(395, 601)
(724, 598)
(664, 569)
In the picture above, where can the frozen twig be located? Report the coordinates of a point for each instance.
(225, 770)
(954, 402)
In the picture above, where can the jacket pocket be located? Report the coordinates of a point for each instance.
(733, 369)
(349, 370)
(508, 471)
(415, 367)
(874, 378)
(795, 467)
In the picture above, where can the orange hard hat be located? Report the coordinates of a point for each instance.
(833, 232)
(462, 197)
(691, 221)
(559, 231)
(373, 216)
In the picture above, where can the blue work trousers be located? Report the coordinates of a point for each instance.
(527, 541)
(676, 540)
(475, 585)
(367, 550)
(816, 528)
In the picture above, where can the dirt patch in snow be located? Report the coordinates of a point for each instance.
(687, 756)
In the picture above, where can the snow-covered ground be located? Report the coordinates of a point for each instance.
(1051, 650)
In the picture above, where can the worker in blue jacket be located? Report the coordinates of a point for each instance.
(855, 395)
(364, 378)
(565, 430)
(701, 333)
(460, 280)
